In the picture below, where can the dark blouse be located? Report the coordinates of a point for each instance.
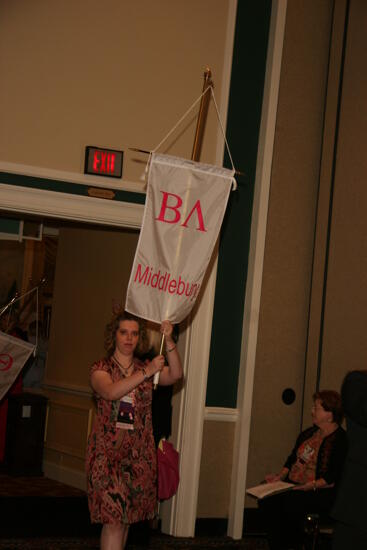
(330, 459)
(351, 502)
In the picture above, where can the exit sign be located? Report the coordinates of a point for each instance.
(103, 162)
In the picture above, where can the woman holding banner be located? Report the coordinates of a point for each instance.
(121, 456)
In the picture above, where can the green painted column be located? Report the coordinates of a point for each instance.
(243, 127)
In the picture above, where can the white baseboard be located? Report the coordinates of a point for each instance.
(221, 414)
(74, 478)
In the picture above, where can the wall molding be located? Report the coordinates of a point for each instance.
(71, 389)
(221, 414)
(74, 478)
(54, 204)
(72, 177)
(55, 410)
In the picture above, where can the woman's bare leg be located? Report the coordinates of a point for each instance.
(113, 537)
(126, 532)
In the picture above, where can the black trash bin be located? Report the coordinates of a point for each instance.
(25, 434)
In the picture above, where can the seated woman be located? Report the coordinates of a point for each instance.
(314, 465)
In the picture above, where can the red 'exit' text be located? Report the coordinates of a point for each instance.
(103, 162)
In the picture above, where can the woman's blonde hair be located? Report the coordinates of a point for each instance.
(112, 327)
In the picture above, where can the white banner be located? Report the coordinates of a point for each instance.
(14, 352)
(184, 209)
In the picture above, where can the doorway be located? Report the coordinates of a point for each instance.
(82, 272)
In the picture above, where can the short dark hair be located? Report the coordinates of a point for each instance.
(113, 325)
(331, 401)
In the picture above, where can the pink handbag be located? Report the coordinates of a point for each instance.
(168, 470)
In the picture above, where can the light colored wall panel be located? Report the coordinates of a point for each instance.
(344, 341)
(67, 428)
(320, 259)
(93, 268)
(215, 469)
(69, 418)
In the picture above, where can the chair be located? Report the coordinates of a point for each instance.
(317, 531)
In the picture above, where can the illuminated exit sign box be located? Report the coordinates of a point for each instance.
(103, 162)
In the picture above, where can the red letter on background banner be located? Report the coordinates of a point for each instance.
(174, 207)
(6, 360)
(196, 207)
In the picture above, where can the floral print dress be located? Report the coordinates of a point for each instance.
(121, 463)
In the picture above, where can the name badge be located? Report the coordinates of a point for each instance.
(126, 413)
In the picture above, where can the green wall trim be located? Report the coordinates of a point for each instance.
(65, 187)
(9, 226)
(243, 127)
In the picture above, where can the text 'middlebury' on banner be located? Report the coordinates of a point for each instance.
(184, 210)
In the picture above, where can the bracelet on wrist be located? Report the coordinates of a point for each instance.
(145, 374)
(171, 349)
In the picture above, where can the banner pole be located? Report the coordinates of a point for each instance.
(156, 376)
(196, 152)
(202, 116)
(161, 348)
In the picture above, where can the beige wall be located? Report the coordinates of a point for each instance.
(115, 75)
(318, 177)
(336, 339)
(344, 342)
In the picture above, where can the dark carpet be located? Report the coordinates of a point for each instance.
(35, 486)
(37, 513)
(157, 541)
